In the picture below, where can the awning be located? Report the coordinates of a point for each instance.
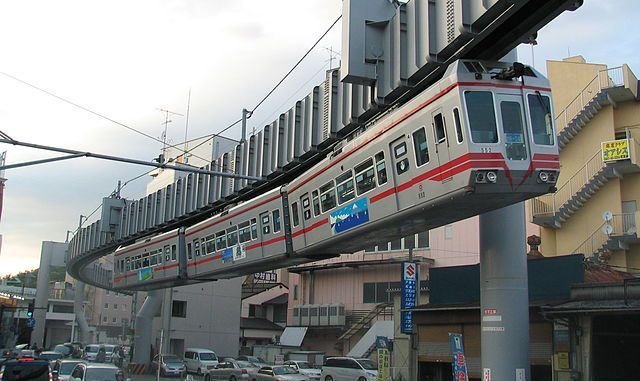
(293, 336)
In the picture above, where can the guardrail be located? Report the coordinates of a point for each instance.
(605, 79)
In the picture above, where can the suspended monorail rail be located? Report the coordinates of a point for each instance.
(479, 139)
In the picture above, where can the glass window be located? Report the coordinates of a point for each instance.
(396, 244)
(420, 146)
(167, 253)
(541, 119)
(174, 253)
(438, 123)
(345, 187)
(365, 177)
(232, 236)
(189, 251)
(276, 221)
(423, 239)
(316, 203)
(400, 149)
(153, 261)
(327, 196)
(196, 245)
(254, 228)
(369, 293)
(511, 114)
(211, 244)
(128, 264)
(205, 248)
(482, 116)
(456, 121)
(381, 168)
(221, 240)
(245, 232)
(266, 228)
(294, 214)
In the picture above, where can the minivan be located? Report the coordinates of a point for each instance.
(348, 369)
(199, 360)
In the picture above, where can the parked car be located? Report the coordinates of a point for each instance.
(278, 373)
(231, 369)
(50, 356)
(200, 360)
(90, 352)
(170, 365)
(94, 372)
(27, 353)
(108, 348)
(256, 360)
(65, 349)
(348, 369)
(303, 367)
(62, 369)
(25, 370)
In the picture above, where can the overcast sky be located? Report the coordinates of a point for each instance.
(127, 59)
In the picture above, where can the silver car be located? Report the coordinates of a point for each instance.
(278, 373)
(233, 370)
(303, 367)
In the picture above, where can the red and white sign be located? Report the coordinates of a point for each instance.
(409, 271)
(486, 374)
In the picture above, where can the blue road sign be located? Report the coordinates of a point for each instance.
(31, 322)
(410, 286)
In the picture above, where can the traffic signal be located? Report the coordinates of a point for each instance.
(30, 310)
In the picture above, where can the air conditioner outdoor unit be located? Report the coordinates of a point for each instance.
(336, 315)
(313, 315)
(323, 315)
(296, 316)
(304, 315)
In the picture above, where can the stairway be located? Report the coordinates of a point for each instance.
(361, 323)
(622, 231)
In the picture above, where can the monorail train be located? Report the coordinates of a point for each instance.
(479, 139)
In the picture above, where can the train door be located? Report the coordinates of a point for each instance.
(440, 137)
(402, 172)
(512, 128)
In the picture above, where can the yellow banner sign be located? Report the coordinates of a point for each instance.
(615, 150)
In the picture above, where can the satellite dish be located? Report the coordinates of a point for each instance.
(607, 216)
(607, 229)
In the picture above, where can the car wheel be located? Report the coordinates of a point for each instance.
(328, 378)
(207, 378)
(199, 372)
(233, 378)
(362, 379)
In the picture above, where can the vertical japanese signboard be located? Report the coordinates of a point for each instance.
(459, 361)
(410, 289)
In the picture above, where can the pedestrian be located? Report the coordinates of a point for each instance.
(102, 355)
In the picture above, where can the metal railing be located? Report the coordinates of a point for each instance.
(605, 79)
(552, 202)
(621, 224)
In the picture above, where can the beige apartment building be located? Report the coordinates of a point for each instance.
(594, 211)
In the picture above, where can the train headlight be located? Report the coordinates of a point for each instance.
(492, 177)
(481, 178)
(543, 177)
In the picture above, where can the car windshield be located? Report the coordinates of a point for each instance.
(367, 364)
(92, 348)
(303, 365)
(208, 356)
(62, 349)
(109, 348)
(171, 359)
(281, 370)
(245, 364)
(101, 374)
(26, 370)
(67, 367)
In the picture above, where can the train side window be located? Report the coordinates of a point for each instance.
(327, 196)
(245, 232)
(232, 236)
(196, 245)
(482, 116)
(316, 202)
(439, 128)
(381, 168)
(420, 146)
(211, 244)
(221, 240)
(203, 244)
(167, 253)
(189, 251)
(345, 187)
(145, 260)
(306, 211)
(266, 227)
(276, 220)
(294, 214)
(365, 177)
(159, 255)
(254, 229)
(153, 260)
(456, 121)
(174, 253)
(127, 264)
(541, 119)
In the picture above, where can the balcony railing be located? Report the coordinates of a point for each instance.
(604, 80)
(551, 203)
(621, 224)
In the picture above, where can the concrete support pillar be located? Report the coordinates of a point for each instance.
(144, 324)
(504, 298)
(78, 309)
(42, 298)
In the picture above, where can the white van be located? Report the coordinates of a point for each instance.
(348, 369)
(199, 360)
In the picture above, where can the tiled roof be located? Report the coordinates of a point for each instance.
(597, 273)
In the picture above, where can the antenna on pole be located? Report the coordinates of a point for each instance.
(163, 137)
(186, 129)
